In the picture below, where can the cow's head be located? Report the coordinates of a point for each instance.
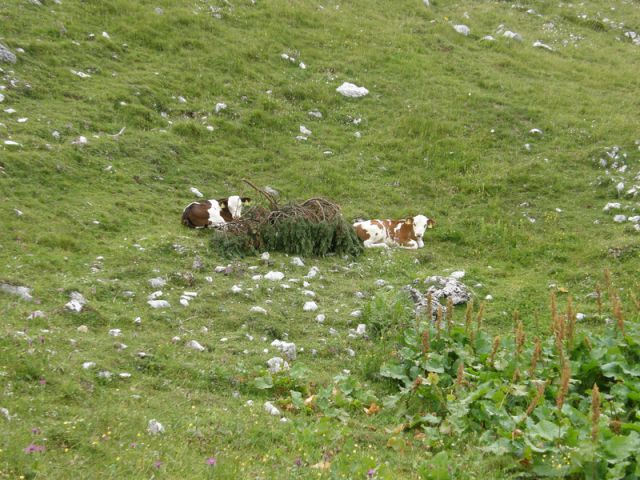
(420, 225)
(234, 204)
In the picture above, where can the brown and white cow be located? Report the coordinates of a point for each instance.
(213, 213)
(406, 233)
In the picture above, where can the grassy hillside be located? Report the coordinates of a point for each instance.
(446, 131)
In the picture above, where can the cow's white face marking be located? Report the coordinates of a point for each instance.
(234, 203)
(420, 223)
(214, 213)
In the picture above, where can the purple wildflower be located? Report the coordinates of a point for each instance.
(371, 473)
(157, 464)
(42, 381)
(298, 462)
(212, 461)
(33, 448)
(35, 431)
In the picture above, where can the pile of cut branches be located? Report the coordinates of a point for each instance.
(311, 228)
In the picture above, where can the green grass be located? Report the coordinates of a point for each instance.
(442, 133)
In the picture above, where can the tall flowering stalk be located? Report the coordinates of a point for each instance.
(565, 376)
(537, 353)
(449, 314)
(595, 412)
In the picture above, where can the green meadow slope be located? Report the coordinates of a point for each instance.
(514, 150)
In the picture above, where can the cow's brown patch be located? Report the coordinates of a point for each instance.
(197, 214)
(401, 231)
(362, 233)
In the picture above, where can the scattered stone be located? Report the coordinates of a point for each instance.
(320, 318)
(11, 143)
(539, 44)
(259, 310)
(512, 35)
(446, 287)
(82, 329)
(115, 332)
(157, 282)
(196, 192)
(80, 74)
(351, 90)
(22, 292)
(181, 99)
(158, 11)
(315, 114)
(155, 427)
(5, 413)
(271, 410)
(356, 314)
(297, 261)
(535, 131)
(36, 314)
(6, 55)
(124, 375)
(274, 276)
(312, 273)
(81, 140)
(488, 38)
(220, 107)
(195, 345)
(462, 30)
(154, 295)
(612, 206)
(350, 352)
(380, 283)
(105, 374)
(277, 364)
(77, 302)
(620, 218)
(288, 348)
(265, 257)
(304, 130)
(310, 306)
(88, 365)
(159, 304)
(236, 289)
(488, 298)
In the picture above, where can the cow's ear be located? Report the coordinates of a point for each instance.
(409, 221)
(246, 200)
(223, 204)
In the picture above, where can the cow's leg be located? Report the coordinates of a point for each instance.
(410, 245)
(370, 244)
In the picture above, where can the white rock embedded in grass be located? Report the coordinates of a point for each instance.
(137, 321)
(305, 131)
(462, 30)
(36, 314)
(259, 310)
(620, 187)
(11, 143)
(196, 192)
(315, 114)
(88, 365)
(539, 44)
(220, 106)
(288, 348)
(620, 218)
(81, 140)
(154, 295)
(5, 413)
(612, 206)
(274, 276)
(236, 289)
(115, 332)
(256, 278)
(320, 318)
(457, 275)
(157, 282)
(512, 35)
(277, 364)
(195, 345)
(580, 316)
(80, 74)
(356, 314)
(488, 298)
(22, 292)
(271, 409)
(106, 374)
(310, 307)
(350, 352)
(6, 55)
(361, 329)
(181, 99)
(159, 304)
(77, 302)
(297, 261)
(155, 427)
(82, 329)
(351, 90)
(309, 293)
(124, 375)
(535, 131)
(313, 272)
(488, 38)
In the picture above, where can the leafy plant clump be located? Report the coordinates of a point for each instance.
(565, 405)
(313, 228)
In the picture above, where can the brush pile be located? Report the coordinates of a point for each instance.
(311, 228)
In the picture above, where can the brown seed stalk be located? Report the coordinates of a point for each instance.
(617, 312)
(520, 338)
(534, 402)
(595, 412)
(460, 375)
(537, 353)
(449, 314)
(468, 316)
(438, 320)
(565, 376)
(494, 350)
(479, 317)
(599, 298)
(425, 341)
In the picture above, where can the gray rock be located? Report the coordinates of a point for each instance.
(23, 292)
(6, 55)
(448, 287)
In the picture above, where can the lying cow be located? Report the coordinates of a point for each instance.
(406, 233)
(213, 213)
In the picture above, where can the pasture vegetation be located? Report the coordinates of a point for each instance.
(443, 132)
